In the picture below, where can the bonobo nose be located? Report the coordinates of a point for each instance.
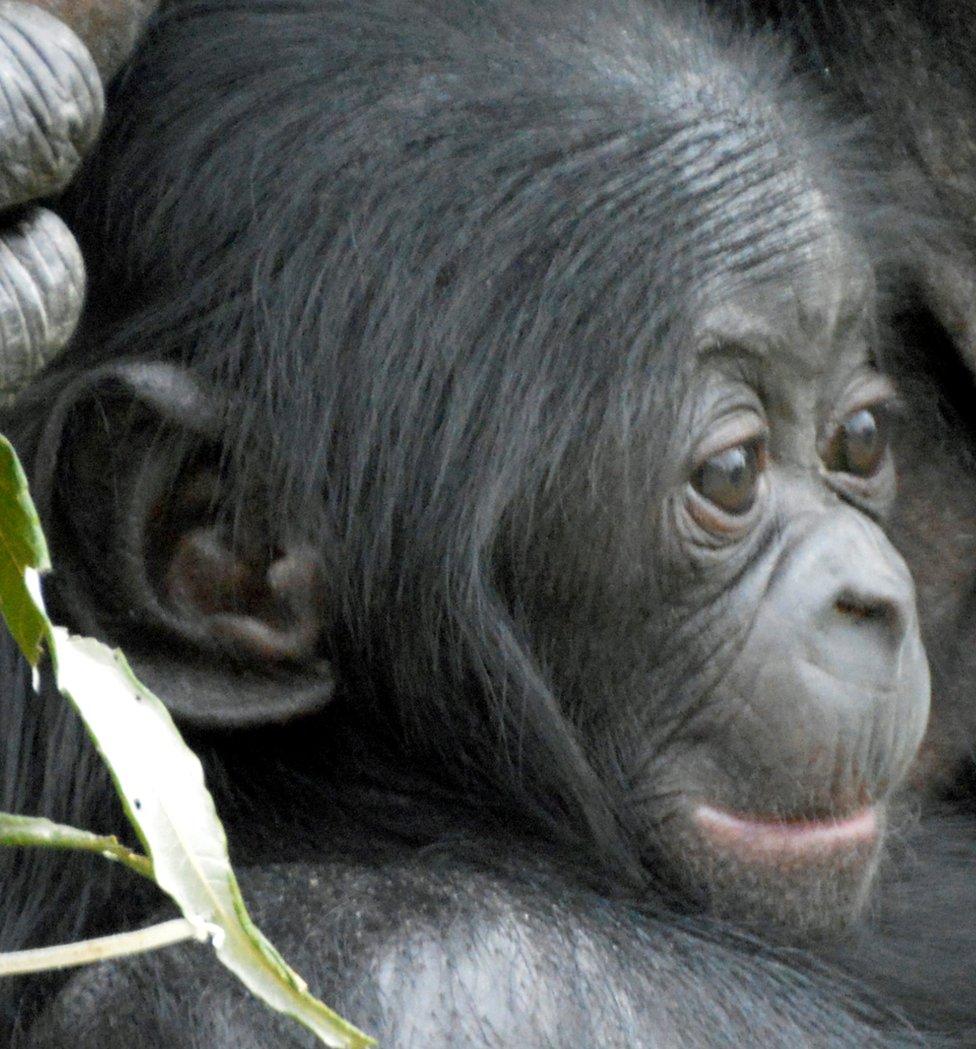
(855, 598)
(881, 605)
(833, 680)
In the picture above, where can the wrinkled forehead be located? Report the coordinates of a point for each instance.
(821, 293)
(763, 228)
(750, 197)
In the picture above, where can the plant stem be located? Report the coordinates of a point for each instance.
(37, 832)
(84, 952)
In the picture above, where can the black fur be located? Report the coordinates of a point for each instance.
(296, 212)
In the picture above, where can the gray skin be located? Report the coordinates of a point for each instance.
(909, 66)
(51, 111)
(814, 692)
(50, 114)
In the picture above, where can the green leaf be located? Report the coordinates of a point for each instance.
(160, 781)
(23, 553)
(158, 778)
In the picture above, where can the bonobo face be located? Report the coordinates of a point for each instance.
(750, 644)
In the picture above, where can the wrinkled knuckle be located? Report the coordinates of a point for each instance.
(42, 288)
(51, 103)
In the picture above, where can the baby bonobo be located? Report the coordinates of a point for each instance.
(512, 368)
(743, 636)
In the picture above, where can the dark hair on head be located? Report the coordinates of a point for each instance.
(425, 258)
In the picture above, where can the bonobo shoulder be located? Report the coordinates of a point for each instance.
(416, 959)
(423, 956)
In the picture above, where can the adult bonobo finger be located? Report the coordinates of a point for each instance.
(51, 105)
(42, 284)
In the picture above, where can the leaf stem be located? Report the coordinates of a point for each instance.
(84, 952)
(37, 832)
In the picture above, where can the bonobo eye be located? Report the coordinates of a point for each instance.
(729, 478)
(859, 445)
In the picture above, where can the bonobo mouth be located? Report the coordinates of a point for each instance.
(781, 842)
(798, 878)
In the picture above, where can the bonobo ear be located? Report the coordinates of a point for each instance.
(220, 616)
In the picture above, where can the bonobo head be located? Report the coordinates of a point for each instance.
(735, 630)
(531, 390)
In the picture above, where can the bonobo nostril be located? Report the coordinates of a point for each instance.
(886, 610)
(859, 609)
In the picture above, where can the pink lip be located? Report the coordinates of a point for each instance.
(783, 840)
